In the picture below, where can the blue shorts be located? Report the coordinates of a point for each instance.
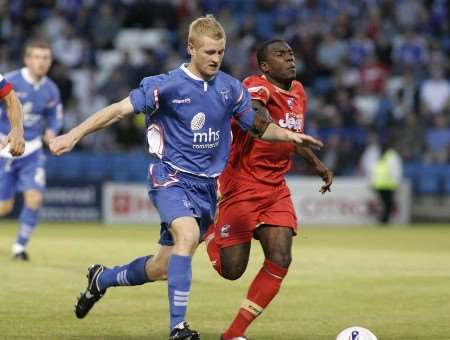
(21, 174)
(177, 194)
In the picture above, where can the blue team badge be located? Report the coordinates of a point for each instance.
(225, 95)
(290, 102)
(225, 230)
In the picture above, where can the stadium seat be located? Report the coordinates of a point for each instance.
(431, 179)
(97, 167)
(411, 171)
(447, 179)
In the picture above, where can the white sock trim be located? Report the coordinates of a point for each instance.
(179, 325)
(17, 248)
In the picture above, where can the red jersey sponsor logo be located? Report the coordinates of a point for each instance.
(292, 121)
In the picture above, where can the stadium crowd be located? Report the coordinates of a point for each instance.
(372, 69)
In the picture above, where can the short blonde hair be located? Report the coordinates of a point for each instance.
(205, 26)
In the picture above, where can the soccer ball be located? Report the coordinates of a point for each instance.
(356, 333)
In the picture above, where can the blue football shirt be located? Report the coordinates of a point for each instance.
(188, 118)
(41, 105)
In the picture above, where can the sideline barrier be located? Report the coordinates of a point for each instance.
(351, 202)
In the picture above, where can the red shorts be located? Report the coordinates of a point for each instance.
(245, 205)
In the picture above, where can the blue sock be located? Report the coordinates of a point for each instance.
(131, 274)
(179, 278)
(28, 220)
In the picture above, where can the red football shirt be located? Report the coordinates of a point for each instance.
(257, 159)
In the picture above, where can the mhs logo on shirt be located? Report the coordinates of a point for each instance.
(292, 122)
(203, 140)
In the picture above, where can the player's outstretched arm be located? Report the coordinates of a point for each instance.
(266, 130)
(320, 168)
(15, 137)
(100, 119)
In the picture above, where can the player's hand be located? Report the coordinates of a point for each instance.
(326, 175)
(16, 142)
(62, 144)
(306, 140)
(49, 134)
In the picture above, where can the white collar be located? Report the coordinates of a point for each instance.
(26, 75)
(189, 73)
(193, 76)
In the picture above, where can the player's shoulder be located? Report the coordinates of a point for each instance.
(258, 84)
(13, 76)
(228, 83)
(228, 79)
(52, 86)
(163, 83)
(297, 87)
(157, 79)
(256, 79)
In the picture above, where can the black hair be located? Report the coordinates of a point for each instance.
(261, 53)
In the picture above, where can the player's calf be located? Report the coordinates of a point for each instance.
(33, 199)
(6, 207)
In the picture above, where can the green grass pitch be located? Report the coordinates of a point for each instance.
(394, 281)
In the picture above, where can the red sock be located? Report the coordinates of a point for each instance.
(213, 249)
(262, 290)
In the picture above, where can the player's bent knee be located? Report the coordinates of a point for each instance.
(6, 207)
(33, 199)
(232, 270)
(280, 258)
(234, 260)
(232, 274)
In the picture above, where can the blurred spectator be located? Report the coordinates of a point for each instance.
(107, 26)
(68, 48)
(367, 104)
(331, 52)
(410, 49)
(438, 141)
(403, 91)
(345, 108)
(411, 138)
(373, 74)
(370, 156)
(360, 47)
(435, 92)
(54, 25)
(60, 75)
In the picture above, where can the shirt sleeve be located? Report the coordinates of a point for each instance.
(54, 113)
(243, 111)
(5, 87)
(257, 89)
(146, 98)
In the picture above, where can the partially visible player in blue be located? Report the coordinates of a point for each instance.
(14, 140)
(188, 113)
(41, 105)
